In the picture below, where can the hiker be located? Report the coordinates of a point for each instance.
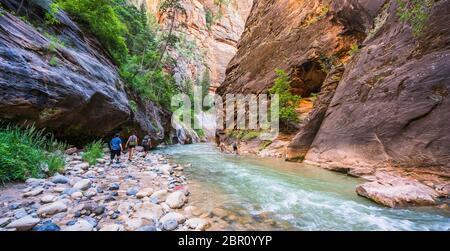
(222, 147)
(116, 148)
(147, 144)
(131, 145)
(235, 148)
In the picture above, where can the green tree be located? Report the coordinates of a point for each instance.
(288, 101)
(171, 8)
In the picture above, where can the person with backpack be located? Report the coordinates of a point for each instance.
(131, 145)
(116, 148)
(147, 144)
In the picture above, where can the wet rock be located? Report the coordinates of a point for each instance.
(176, 200)
(84, 184)
(398, 192)
(80, 225)
(193, 211)
(34, 192)
(146, 192)
(51, 209)
(60, 179)
(24, 224)
(219, 212)
(47, 227)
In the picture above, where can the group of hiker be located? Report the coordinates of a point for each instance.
(133, 141)
(234, 147)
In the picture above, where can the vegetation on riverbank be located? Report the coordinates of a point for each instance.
(28, 152)
(93, 152)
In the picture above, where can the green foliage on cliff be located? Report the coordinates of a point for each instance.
(28, 152)
(415, 12)
(125, 32)
(288, 101)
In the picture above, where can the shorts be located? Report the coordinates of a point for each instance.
(131, 147)
(115, 153)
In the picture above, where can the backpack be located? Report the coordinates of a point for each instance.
(145, 141)
(133, 140)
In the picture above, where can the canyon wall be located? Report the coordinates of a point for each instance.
(61, 79)
(383, 91)
(205, 44)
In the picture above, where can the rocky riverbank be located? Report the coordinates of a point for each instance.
(148, 194)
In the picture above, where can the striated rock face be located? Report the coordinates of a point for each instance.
(64, 81)
(384, 105)
(391, 107)
(204, 46)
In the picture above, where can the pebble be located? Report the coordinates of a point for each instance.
(133, 224)
(24, 224)
(47, 199)
(147, 228)
(20, 213)
(60, 179)
(176, 200)
(159, 196)
(132, 191)
(48, 227)
(112, 228)
(82, 166)
(84, 184)
(70, 191)
(5, 221)
(80, 225)
(76, 195)
(114, 187)
(51, 209)
(146, 192)
(34, 192)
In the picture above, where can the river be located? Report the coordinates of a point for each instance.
(271, 194)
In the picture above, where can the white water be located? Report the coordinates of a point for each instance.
(301, 197)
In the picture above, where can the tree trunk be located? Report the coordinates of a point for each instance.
(167, 42)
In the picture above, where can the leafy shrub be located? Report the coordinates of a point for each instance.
(125, 32)
(28, 152)
(93, 151)
(415, 12)
(353, 50)
(53, 62)
(288, 101)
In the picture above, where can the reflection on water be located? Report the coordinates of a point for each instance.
(270, 194)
